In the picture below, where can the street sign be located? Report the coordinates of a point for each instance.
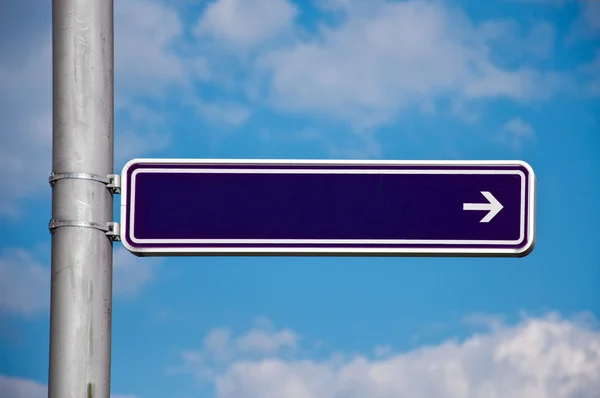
(173, 207)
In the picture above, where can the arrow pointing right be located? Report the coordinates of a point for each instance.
(493, 207)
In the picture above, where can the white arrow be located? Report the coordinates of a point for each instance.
(493, 207)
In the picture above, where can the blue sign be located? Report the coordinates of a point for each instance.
(299, 207)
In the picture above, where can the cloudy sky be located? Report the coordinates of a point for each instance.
(345, 79)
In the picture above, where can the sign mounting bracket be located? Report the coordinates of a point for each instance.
(113, 184)
(111, 229)
(112, 181)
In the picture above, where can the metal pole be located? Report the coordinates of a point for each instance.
(82, 204)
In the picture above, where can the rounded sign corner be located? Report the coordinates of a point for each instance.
(527, 249)
(131, 163)
(527, 167)
(130, 248)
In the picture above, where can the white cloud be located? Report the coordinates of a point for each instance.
(541, 39)
(131, 273)
(145, 32)
(591, 14)
(246, 23)
(228, 113)
(132, 143)
(516, 43)
(143, 131)
(588, 23)
(265, 341)
(547, 357)
(389, 56)
(516, 131)
(383, 350)
(16, 387)
(24, 283)
(217, 343)
(591, 75)
(519, 127)
(366, 62)
(25, 111)
(220, 346)
(145, 65)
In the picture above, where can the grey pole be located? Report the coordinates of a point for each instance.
(82, 204)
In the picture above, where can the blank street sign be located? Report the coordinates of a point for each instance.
(197, 207)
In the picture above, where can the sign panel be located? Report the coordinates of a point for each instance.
(324, 207)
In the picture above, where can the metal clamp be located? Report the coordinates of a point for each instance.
(114, 184)
(112, 181)
(111, 229)
(114, 231)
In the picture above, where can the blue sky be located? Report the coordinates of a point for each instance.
(342, 79)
